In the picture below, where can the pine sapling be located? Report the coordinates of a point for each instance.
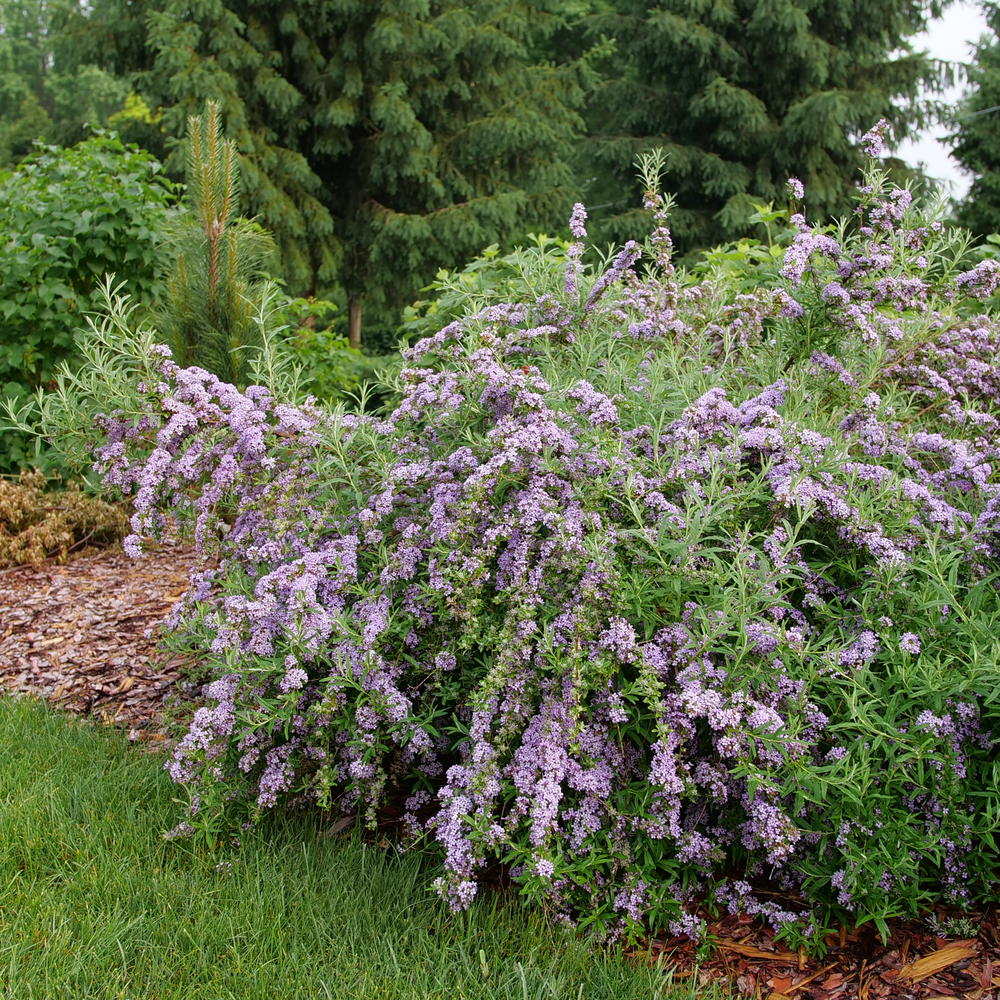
(214, 314)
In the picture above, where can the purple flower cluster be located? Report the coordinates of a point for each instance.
(873, 141)
(574, 269)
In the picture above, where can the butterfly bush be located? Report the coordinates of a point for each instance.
(654, 588)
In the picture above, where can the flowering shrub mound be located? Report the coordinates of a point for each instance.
(652, 586)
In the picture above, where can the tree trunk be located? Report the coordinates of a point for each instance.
(354, 321)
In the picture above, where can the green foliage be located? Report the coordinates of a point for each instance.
(69, 216)
(381, 140)
(89, 96)
(331, 368)
(19, 130)
(47, 91)
(976, 134)
(287, 913)
(22, 43)
(215, 306)
(743, 95)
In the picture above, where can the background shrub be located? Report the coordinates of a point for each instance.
(68, 216)
(332, 369)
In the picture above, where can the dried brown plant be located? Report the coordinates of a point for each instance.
(37, 523)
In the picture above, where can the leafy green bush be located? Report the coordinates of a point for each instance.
(332, 370)
(68, 216)
(655, 588)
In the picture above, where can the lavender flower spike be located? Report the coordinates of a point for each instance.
(574, 252)
(873, 140)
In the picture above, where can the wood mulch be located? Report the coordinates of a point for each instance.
(83, 635)
(915, 964)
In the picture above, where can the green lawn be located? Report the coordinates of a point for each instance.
(95, 904)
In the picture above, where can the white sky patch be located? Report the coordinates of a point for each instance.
(950, 38)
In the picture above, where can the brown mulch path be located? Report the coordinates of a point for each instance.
(75, 634)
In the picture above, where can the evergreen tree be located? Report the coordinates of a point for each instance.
(51, 85)
(381, 139)
(214, 309)
(23, 68)
(744, 94)
(975, 138)
(106, 33)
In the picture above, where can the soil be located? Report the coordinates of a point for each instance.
(84, 637)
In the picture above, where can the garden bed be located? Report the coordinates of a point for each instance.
(82, 635)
